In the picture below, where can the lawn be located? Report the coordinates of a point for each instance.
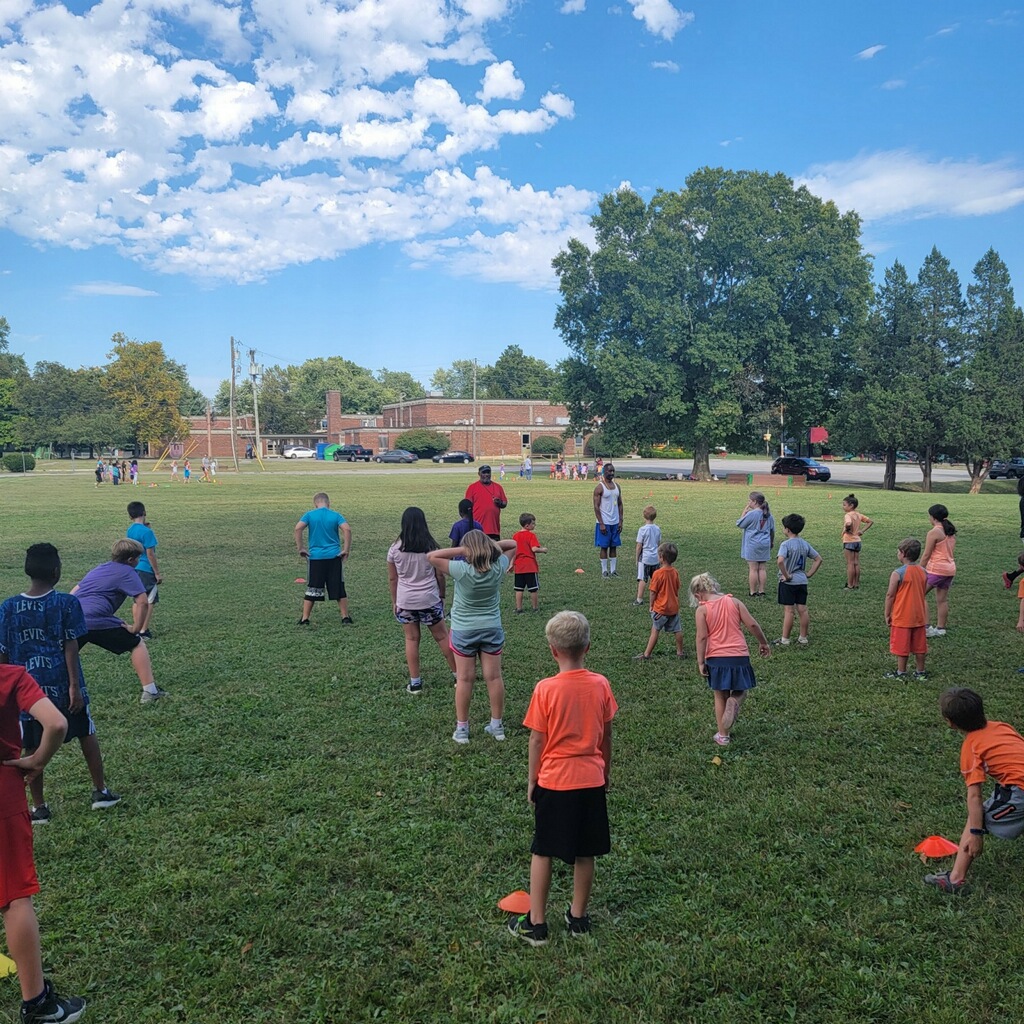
(301, 841)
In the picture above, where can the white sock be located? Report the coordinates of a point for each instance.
(604, 565)
(150, 688)
(612, 563)
(495, 722)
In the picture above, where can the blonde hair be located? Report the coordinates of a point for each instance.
(125, 550)
(704, 583)
(568, 632)
(481, 551)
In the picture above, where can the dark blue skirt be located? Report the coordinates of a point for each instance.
(730, 673)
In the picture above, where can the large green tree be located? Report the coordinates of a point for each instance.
(684, 302)
(519, 376)
(13, 373)
(146, 390)
(456, 381)
(986, 418)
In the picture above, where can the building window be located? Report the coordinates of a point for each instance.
(526, 440)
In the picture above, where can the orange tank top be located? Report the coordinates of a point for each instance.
(940, 562)
(725, 632)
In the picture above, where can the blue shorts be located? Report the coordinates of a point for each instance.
(468, 643)
(611, 539)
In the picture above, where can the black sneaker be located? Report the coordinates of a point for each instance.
(347, 621)
(303, 622)
(41, 815)
(523, 928)
(416, 687)
(146, 635)
(577, 925)
(103, 798)
(53, 1008)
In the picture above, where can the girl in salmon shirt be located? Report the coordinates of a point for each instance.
(937, 561)
(722, 654)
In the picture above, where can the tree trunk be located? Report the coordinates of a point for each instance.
(889, 476)
(701, 461)
(978, 468)
(926, 470)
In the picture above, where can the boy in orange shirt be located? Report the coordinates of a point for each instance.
(570, 721)
(989, 748)
(1020, 591)
(906, 613)
(664, 589)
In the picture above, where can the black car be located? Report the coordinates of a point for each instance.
(454, 457)
(794, 465)
(1012, 469)
(352, 453)
(396, 455)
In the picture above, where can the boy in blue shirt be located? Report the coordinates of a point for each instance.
(147, 567)
(794, 553)
(326, 556)
(40, 630)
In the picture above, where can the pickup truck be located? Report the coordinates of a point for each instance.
(1012, 469)
(352, 453)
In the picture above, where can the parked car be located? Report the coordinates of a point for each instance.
(395, 455)
(352, 453)
(454, 457)
(1011, 469)
(299, 451)
(794, 465)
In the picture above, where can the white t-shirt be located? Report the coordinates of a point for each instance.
(417, 583)
(649, 536)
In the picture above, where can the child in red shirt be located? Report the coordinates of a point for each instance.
(906, 613)
(989, 748)
(570, 721)
(664, 590)
(18, 883)
(524, 562)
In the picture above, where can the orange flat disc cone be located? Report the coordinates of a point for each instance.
(579, 572)
(936, 846)
(517, 902)
(300, 580)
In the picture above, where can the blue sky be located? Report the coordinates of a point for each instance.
(388, 180)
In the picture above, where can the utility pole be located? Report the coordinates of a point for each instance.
(473, 420)
(231, 408)
(782, 431)
(253, 374)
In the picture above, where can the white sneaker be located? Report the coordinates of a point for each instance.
(782, 642)
(497, 731)
(461, 734)
(802, 640)
(934, 631)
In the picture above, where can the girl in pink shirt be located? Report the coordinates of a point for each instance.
(938, 562)
(722, 654)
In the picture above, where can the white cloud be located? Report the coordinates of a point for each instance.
(573, 7)
(948, 30)
(894, 83)
(112, 288)
(500, 83)
(665, 65)
(869, 52)
(227, 141)
(660, 17)
(902, 184)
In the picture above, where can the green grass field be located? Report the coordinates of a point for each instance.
(301, 841)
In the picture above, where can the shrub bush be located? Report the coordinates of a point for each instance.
(19, 462)
(424, 443)
(547, 445)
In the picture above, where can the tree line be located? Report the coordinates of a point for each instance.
(697, 317)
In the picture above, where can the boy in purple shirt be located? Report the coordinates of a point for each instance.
(101, 592)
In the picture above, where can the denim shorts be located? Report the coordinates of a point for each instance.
(468, 643)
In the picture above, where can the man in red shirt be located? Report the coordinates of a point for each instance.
(488, 500)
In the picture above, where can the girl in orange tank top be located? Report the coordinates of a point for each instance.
(937, 561)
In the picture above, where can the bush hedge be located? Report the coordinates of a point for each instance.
(547, 445)
(19, 462)
(424, 443)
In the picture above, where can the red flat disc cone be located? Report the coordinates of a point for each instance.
(936, 846)
(517, 902)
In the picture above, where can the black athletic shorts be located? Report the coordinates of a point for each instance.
(570, 823)
(116, 640)
(325, 580)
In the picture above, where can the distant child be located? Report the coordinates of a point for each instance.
(906, 612)
(330, 540)
(989, 748)
(187, 471)
(174, 470)
(40, 629)
(664, 602)
(570, 722)
(722, 654)
(18, 882)
(524, 563)
(758, 526)
(477, 568)
(648, 537)
(1020, 592)
(133, 470)
(417, 592)
(938, 562)
(855, 525)
(794, 553)
(115, 473)
(501, 471)
(147, 567)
